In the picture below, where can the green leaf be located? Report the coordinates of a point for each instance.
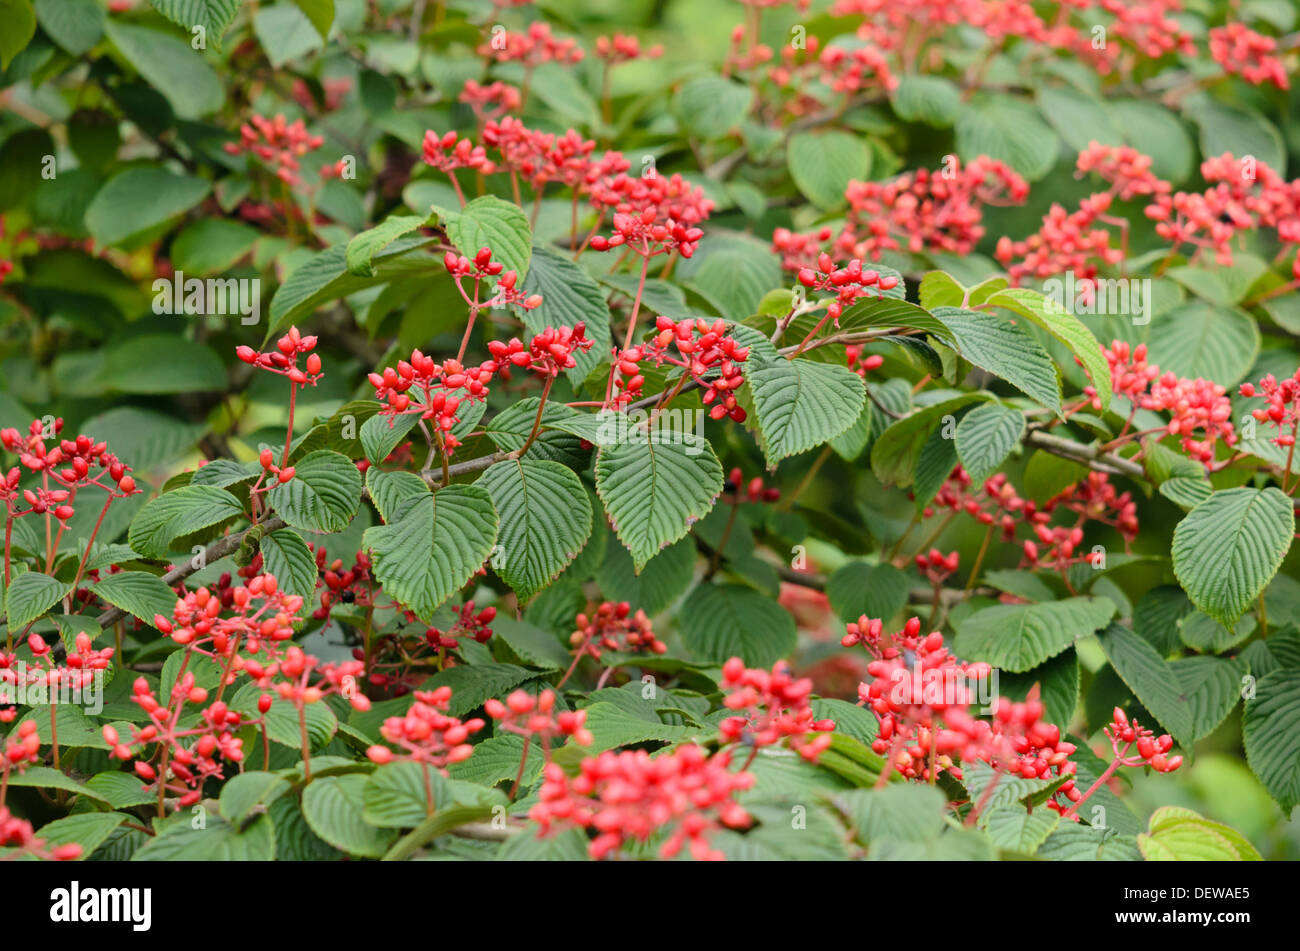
(216, 841)
(286, 555)
(1155, 131)
(1176, 834)
(333, 807)
(1151, 680)
(569, 295)
(323, 494)
(437, 546)
(1242, 132)
(362, 249)
(472, 684)
(823, 163)
(709, 107)
(214, 16)
(490, 222)
(180, 512)
(545, 519)
(20, 27)
(894, 456)
(212, 246)
(1019, 637)
(139, 199)
(1077, 117)
(169, 65)
(1065, 327)
(138, 593)
(244, 794)
(391, 492)
(719, 622)
(802, 404)
(993, 343)
(1015, 829)
(929, 99)
(396, 796)
(76, 25)
(1200, 339)
(732, 272)
(176, 365)
(659, 582)
(321, 14)
(381, 434)
(1227, 549)
(1270, 728)
(986, 436)
(29, 596)
(531, 644)
(654, 486)
(1077, 842)
(86, 829)
(285, 33)
(1212, 687)
(1007, 129)
(858, 588)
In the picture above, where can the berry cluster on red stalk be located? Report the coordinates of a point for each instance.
(278, 143)
(535, 718)
(18, 834)
(614, 626)
(532, 47)
(644, 234)
(708, 355)
(1283, 405)
(624, 48)
(848, 283)
(936, 566)
(771, 706)
(1131, 745)
(686, 794)
(470, 622)
(548, 354)
(187, 757)
(860, 363)
(427, 734)
(64, 470)
(442, 388)
(1195, 405)
(489, 101)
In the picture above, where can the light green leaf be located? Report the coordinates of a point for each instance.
(719, 622)
(139, 199)
(823, 163)
(1065, 327)
(323, 494)
(1019, 637)
(29, 596)
(1227, 549)
(178, 513)
(490, 222)
(169, 65)
(986, 436)
(802, 404)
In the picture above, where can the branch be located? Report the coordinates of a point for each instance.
(1090, 456)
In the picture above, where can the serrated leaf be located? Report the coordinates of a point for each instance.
(545, 518)
(1014, 829)
(569, 296)
(490, 222)
(1227, 549)
(719, 622)
(1176, 834)
(138, 593)
(993, 343)
(439, 543)
(397, 796)
(654, 486)
(29, 596)
(86, 829)
(1019, 637)
(1152, 681)
(180, 512)
(245, 793)
(1064, 327)
(362, 249)
(659, 582)
(213, 15)
(801, 404)
(140, 199)
(323, 494)
(823, 163)
(179, 73)
(1270, 729)
(333, 806)
(897, 451)
(1007, 129)
(857, 588)
(986, 436)
(929, 99)
(286, 555)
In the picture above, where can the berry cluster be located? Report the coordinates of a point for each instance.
(631, 796)
(532, 47)
(1252, 56)
(441, 387)
(623, 48)
(704, 348)
(771, 706)
(278, 143)
(483, 269)
(489, 101)
(535, 718)
(646, 235)
(470, 623)
(1283, 406)
(548, 354)
(848, 283)
(283, 360)
(427, 734)
(613, 626)
(1196, 405)
(753, 491)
